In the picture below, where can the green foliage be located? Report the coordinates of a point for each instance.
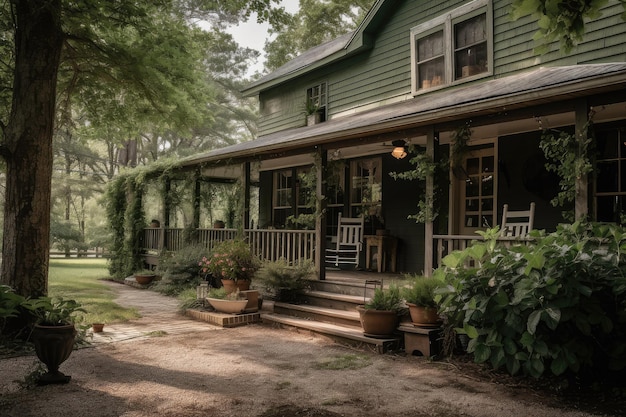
(387, 299)
(562, 20)
(222, 294)
(9, 305)
(315, 23)
(422, 291)
(230, 259)
(569, 158)
(179, 270)
(284, 281)
(53, 311)
(555, 305)
(459, 147)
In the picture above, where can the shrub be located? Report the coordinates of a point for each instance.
(554, 305)
(285, 282)
(179, 271)
(231, 259)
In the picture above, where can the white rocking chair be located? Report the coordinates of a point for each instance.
(522, 221)
(348, 242)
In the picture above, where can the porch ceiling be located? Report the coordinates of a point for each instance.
(489, 98)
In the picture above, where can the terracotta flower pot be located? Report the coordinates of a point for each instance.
(232, 286)
(144, 279)
(424, 316)
(97, 327)
(378, 323)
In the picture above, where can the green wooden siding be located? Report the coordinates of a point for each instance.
(383, 73)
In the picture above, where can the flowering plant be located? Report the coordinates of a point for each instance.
(231, 260)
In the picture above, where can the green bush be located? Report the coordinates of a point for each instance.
(283, 281)
(179, 270)
(555, 305)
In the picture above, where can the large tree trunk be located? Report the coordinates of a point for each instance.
(28, 146)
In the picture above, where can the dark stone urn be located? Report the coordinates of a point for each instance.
(53, 345)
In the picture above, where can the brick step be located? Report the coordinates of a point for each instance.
(345, 334)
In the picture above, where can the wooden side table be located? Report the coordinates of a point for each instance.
(387, 247)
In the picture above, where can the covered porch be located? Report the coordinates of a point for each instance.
(506, 117)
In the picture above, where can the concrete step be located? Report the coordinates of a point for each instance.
(322, 314)
(345, 334)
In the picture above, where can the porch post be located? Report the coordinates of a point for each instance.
(245, 181)
(321, 161)
(581, 203)
(430, 187)
(167, 208)
(196, 201)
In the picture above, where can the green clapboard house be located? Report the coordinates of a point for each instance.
(455, 81)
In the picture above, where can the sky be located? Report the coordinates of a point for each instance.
(253, 35)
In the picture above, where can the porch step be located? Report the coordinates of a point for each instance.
(346, 334)
(322, 314)
(357, 289)
(333, 300)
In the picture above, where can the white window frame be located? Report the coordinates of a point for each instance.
(446, 24)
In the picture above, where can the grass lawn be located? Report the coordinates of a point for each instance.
(81, 280)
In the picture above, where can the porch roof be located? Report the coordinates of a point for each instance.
(522, 90)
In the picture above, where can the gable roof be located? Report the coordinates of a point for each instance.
(522, 90)
(328, 52)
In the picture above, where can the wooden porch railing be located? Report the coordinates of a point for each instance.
(444, 244)
(267, 244)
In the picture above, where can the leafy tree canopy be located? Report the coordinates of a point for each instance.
(316, 22)
(560, 19)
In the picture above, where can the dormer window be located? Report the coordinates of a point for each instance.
(452, 48)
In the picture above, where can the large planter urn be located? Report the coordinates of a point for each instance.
(53, 345)
(378, 323)
(232, 286)
(228, 306)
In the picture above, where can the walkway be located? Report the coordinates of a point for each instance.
(159, 314)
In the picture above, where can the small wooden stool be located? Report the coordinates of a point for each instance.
(425, 341)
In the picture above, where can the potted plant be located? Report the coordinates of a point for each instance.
(224, 302)
(144, 277)
(379, 316)
(53, 334)
(420, 298)
(232, 262)
(285, 282)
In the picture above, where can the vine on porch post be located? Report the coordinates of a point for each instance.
(569, 157)
(424, 167)
(459, 148)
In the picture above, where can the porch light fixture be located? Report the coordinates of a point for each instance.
(399, 149)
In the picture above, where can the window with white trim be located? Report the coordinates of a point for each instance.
(452, 48)
(317, 97)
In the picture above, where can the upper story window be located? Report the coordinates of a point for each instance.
(316, 102)
(453, 47)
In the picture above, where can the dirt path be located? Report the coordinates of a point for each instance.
(197, 369)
